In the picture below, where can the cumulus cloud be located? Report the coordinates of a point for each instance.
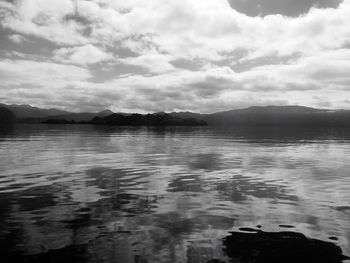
(206, 29)
(43, 18)
(153, 61)
(16, 38)
(82, 55)
(44, 75)
(310, 54)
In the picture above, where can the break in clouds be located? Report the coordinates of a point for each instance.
(146, 56)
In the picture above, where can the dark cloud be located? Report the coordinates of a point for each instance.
(284, 7)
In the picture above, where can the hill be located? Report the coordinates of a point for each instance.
(27, 111)
(297, 116)
(280, 116)
(6, 116)
(83, 116)
(29, 114)
(158, 119)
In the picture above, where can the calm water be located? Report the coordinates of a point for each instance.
(107, 194)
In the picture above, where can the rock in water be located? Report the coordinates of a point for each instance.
(279, 247)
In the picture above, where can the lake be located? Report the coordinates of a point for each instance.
(81, 193)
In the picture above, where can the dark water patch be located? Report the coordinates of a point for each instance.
(286, 226)
(36, 198)
(207, 161)
(280, 247)
(175, 225)
(345, 209)
(79, 220)
(186, 183)
(71, 253)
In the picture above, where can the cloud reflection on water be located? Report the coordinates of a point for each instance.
(164, 196)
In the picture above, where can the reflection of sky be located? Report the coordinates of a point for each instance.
(166, 191)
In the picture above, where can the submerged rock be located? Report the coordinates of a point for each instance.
(279, 247)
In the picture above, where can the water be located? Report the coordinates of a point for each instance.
(108, 194)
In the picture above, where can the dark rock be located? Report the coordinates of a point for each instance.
(280, 247)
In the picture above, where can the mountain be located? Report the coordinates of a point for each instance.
(280, 116)
(298, 116)
(6, 116)
(104, 113)
(187, 115)
(158, 119)
(29, 114)
(79, 117)
(27, 111)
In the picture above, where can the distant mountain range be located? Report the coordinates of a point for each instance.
(280, 116)
(83, 116)
(156, 119)
(27, 111)
(252, 116)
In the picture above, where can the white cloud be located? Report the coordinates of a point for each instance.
(43, 18)
(82, 55)
(153, 61)
(184, 28)
(44, 75)
(156, 33)
(17, 38)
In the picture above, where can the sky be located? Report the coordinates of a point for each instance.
(174, 55)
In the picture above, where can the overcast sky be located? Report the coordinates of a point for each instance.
(174, 55)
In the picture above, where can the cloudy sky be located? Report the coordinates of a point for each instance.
(174, 55)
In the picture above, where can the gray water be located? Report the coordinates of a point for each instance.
(109, 194)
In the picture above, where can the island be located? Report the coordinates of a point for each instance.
(135, 119)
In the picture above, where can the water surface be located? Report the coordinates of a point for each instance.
(110, 194)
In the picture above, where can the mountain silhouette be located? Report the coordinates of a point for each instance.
(27, 111)
(297, 116)
(280, 116)
(157, 119)
(6, 116)
(81, 117)
(28, 114)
